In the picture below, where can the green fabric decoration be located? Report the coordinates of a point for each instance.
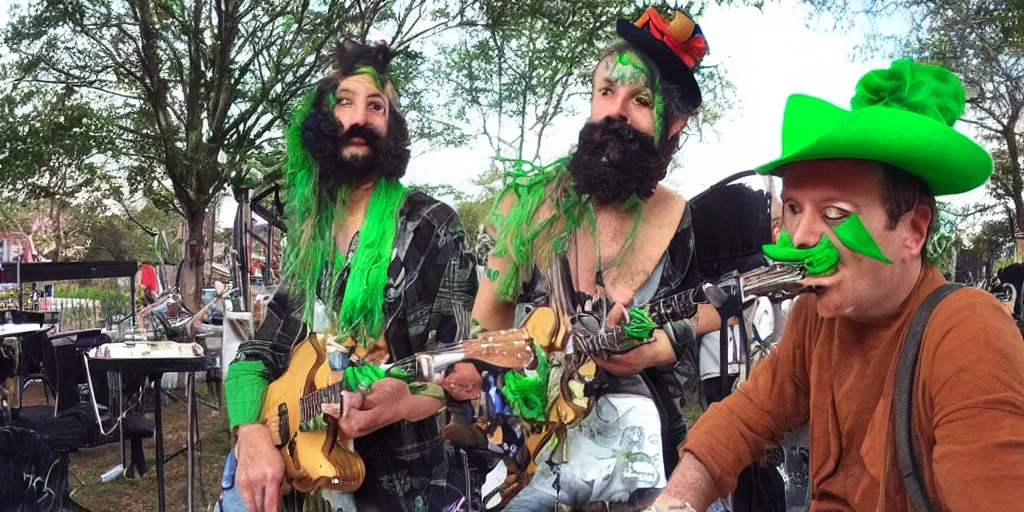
(640, 325)
(361, 313)
(852, 233)
(522, 230)
(527, 392)
(244, 388)
(311, 217)
(362, 376)
(427, 389)
(818, 260)
(902, 116)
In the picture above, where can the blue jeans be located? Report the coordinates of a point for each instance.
(422, 477)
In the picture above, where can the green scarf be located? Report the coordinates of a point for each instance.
(311, 217)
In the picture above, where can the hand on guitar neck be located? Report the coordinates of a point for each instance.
(388, 401)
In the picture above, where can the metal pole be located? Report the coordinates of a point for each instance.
(134, 312)
(120, 411)
(246, 250)
(270, 256)
(21, 295)
(190, 400)
(723, 358)
(158, 421)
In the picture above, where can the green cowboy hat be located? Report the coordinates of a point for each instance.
(902, 116)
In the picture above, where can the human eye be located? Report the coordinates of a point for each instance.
(835, 215)
(644, 100)
(792, 208)
(345, 102)
(377, 107)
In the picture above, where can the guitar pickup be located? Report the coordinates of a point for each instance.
(283, 434)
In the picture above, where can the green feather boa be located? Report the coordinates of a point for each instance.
(520, 232)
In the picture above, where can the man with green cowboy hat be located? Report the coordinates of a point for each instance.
(858, 195)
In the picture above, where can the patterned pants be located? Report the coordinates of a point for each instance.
(615, 451)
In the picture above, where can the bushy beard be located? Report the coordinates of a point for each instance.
(613, 161)
(325, 139)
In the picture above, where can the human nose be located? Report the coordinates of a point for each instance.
(357, 117)
(618, 108)
(805, 231)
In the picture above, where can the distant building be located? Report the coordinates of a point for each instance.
(14, 247)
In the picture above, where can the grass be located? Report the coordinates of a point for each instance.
(139, 494)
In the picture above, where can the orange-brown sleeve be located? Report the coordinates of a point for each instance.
(973, 386)
(775, 399)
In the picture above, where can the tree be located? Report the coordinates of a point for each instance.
(198, 87)
(983, 42)
(976, 259)
(131, 235)
(53, 145)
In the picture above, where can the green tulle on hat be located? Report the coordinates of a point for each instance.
(931, 91)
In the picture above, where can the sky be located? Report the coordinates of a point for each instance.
(767, 55)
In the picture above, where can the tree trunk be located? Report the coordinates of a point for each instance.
(191, 277)
(1017, 183)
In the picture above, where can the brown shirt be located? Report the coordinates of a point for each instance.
(838, 374)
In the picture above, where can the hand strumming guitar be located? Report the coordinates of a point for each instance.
(388, 401)
(655, 353)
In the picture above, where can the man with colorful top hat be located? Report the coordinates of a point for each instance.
(593, 208)
(906, 411)
(380, 270)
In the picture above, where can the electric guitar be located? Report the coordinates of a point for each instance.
(316, 455)
(582, 337)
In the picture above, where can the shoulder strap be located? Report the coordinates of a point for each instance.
(908, 457)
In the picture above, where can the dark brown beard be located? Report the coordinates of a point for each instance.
(614, 161)
(324, 138)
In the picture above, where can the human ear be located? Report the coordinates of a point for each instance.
(917, 221)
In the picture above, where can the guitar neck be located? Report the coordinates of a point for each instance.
(677, 307)
(310, 404)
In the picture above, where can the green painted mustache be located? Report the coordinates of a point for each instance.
(820, 259)
(824, 257)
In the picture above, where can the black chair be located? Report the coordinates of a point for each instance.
(71, 424)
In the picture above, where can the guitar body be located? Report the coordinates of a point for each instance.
(314, 459)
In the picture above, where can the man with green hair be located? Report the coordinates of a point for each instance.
(381, 270)
(905, 411)
(593, 209)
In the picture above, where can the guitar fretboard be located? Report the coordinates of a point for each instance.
(310, 404)
(675, 308)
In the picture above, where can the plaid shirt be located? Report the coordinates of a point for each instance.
(428, 297)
